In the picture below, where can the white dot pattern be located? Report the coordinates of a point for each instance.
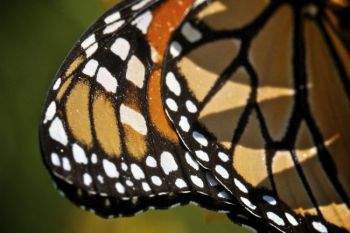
(184, 125)
(291, 219)
(248, 203)
(191, 107)
(318, 226)
(173, 84)
(200, 138)
(197, 181)
(275, 218)
(79, 154)
(112, 17)
(202, 155)
(269, 199)
(156, 180)
(222, 171)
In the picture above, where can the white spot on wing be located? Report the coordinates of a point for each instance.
(180, 183)
(129, 183)
(135, 71)
(55, 160)
(57, 132)
(119, 187)
(291, 219)
(171, 104)
(100, 179)
(168, 162)
(190, 33)
(183, 123)
(146, 187)
(93, 158)
(172, 83)
(66, 164)
(151, 162)
(50, 112)
(57, 84)
(175, 48)
(143, 21)
(156, 180)
(110, 169)
(198, 2)
(106, 79)
(222, 171)
(140, 5)
(197, 181)
(200, 138)
(113, 27)
(269, 199)
(90, 68)
(134, 119)
(91, 50)
(275, 218)
(202, 155)
(124, 166)
(191, 107)
(87, 179)
(318, 226)
(121, 48)
(240, 186)
(88, 41)
(137, 172)
(223, 157)
(191, 162)
(248, 203)
(112, 17)
(79, 154)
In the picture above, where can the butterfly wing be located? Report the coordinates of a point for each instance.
(104, 135)
(262, 101)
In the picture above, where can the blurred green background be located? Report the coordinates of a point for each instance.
(36, 35)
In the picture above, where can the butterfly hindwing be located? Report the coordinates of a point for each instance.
(240, 86)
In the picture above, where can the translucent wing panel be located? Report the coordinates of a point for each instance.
(247, 96)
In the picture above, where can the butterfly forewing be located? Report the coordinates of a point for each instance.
(104, 135)
(261, 89)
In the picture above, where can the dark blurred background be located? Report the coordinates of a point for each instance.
(36, 35)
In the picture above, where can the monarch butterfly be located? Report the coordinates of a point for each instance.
(107, 141)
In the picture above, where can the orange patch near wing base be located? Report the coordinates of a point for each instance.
(165, 20)
(158, 118)
(77, 112)
(106, 125)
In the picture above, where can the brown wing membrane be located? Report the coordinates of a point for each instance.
(263, 101)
